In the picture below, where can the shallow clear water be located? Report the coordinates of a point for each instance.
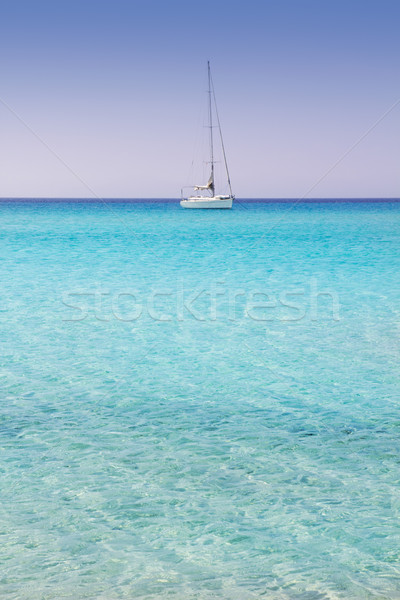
(169, 431)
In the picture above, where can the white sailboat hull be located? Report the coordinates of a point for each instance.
(207, 202)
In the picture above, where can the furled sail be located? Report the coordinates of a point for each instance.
(209, 186)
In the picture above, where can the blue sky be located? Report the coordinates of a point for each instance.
(115, 90)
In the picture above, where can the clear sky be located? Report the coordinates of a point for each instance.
(115, 89)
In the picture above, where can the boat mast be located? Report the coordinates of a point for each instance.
(211, 129)
(222, 139)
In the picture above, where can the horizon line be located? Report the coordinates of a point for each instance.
(174, 199)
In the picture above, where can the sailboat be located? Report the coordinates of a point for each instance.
(207, 197)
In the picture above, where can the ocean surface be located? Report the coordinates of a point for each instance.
(199, 405)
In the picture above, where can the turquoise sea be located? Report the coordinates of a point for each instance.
(199, 404)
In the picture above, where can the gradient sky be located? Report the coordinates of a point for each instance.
(115, 89)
